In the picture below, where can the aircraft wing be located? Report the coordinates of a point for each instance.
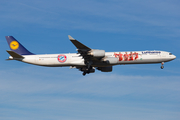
(91, 56)
(83, 50)
(78, 45)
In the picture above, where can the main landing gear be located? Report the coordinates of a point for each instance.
(87, 71)
(84, 73)
(88, 68)
(162, 65)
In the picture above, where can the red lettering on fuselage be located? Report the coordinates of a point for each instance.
(131, 56)
(120, 56)
(126, 57)
(136, 55)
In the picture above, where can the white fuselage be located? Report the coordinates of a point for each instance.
(73, 59)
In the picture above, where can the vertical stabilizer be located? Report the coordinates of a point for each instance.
(17, 47)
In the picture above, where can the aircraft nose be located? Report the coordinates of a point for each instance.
(174, 57)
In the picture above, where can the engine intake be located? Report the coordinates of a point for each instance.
(97, 53)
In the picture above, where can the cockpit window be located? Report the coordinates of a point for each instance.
(170, 53)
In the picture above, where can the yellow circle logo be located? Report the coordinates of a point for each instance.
(14, 45)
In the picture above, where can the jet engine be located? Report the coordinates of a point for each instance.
(105, 69)
(97, 53)
(111, 60)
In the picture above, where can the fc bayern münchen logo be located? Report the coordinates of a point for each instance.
(62, 58)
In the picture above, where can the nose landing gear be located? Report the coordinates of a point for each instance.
(162, 65)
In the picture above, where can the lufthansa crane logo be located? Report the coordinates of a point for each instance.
(14, 45)
(62, 58)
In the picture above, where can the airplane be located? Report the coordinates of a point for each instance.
(86, 59)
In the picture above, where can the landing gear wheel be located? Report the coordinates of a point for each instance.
(84, 73)
(162, 67)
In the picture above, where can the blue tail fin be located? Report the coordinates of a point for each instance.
(16, 47)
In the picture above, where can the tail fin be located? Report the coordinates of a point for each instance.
(16, 47)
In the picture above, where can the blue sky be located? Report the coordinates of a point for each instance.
(130, 92)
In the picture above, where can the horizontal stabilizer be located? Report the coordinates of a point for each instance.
(78, 44)
(14, 55)
(9, 59)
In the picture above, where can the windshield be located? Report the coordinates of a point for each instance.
(170, 53)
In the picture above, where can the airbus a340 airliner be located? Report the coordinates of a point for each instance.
(86, 59)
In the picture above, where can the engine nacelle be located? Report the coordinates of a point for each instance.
(92, 71)
(97, 53)
(105, 69)
(111, 60)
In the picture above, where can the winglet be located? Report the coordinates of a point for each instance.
(70, 37)
(78, 44)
